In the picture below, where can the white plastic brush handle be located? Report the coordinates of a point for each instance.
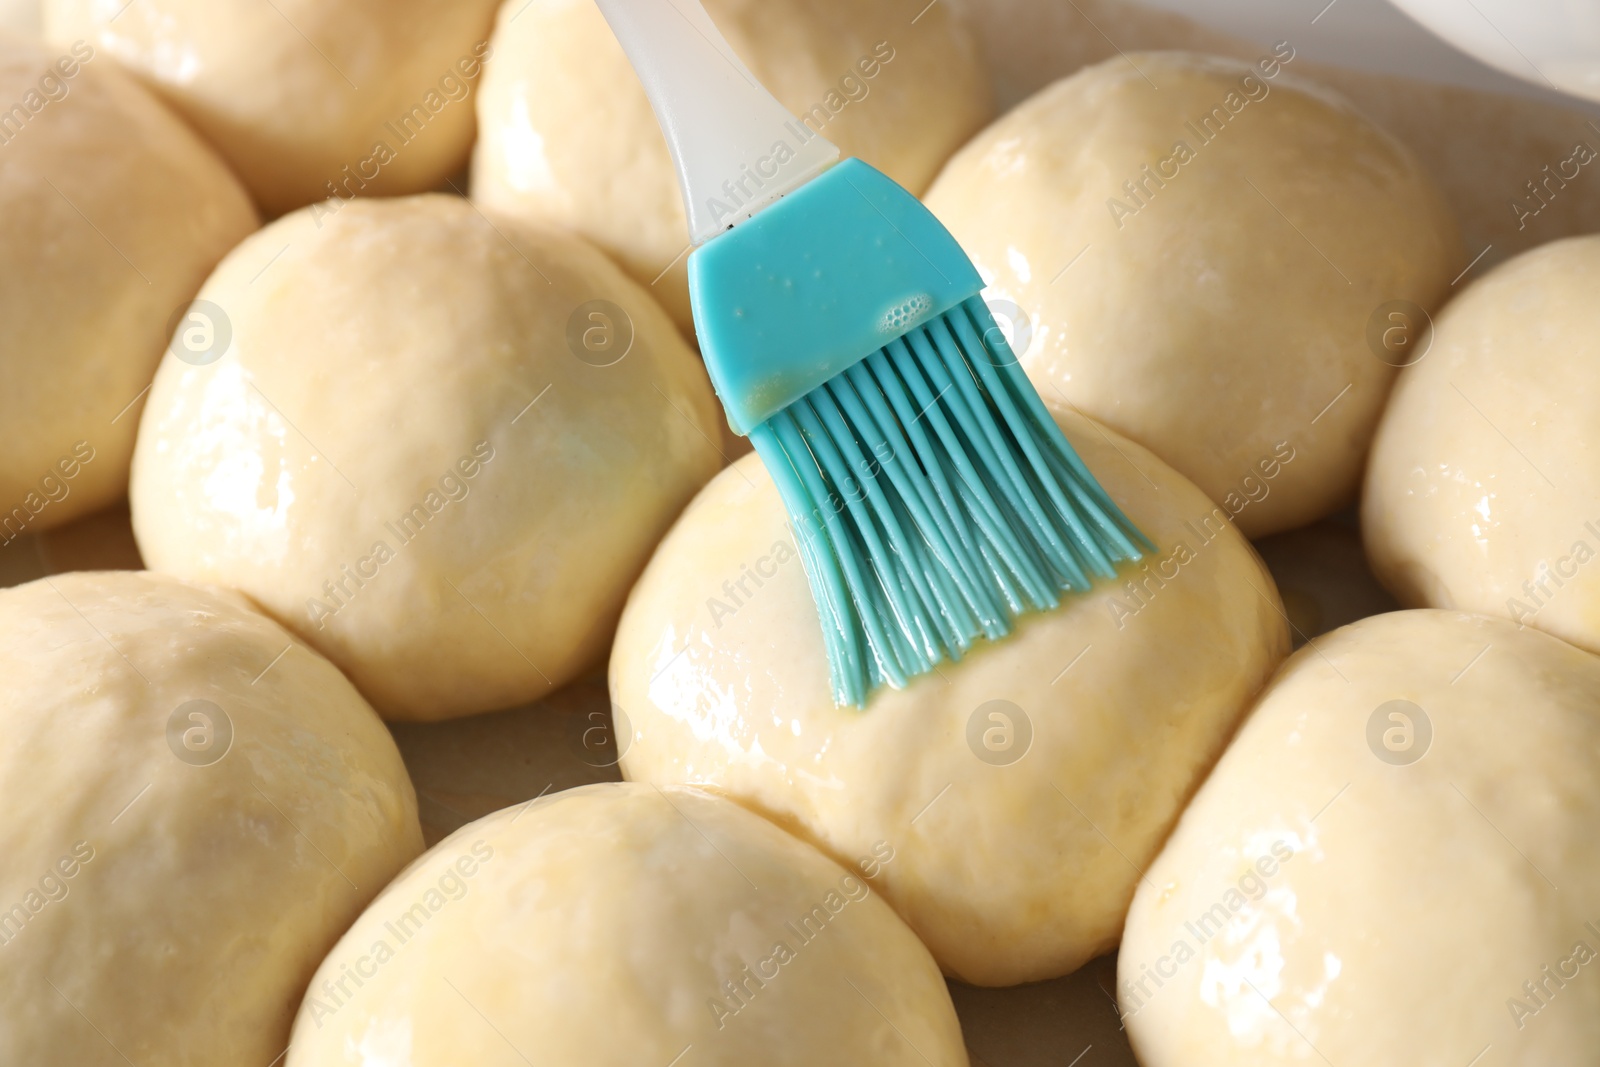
(722, 126)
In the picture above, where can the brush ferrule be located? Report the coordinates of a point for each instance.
(815, 283)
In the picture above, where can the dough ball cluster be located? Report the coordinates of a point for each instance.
(1024, 788)
(197, 806)
(411, 454)
(436, 445)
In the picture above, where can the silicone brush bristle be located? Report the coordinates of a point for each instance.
(934, 501)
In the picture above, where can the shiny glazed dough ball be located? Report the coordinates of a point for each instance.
(1199, 264)
(193, 807)
(1021, 789)
(95, 259)
(1370, 874)
(567, 135)
(1482, 489)
(305, 99)
(437, 446)
(620, 924)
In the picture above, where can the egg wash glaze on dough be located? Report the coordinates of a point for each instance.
(452, 885)
(1139, 590)
(1523, 1010)
(342, 589)
(805, 929)
(1212, 123)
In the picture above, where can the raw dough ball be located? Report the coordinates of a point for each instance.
(619, 924)
(1481, 493)
(439, 447)
(1222, 305)
(305, 98)
(567, 135)
(114, 212)
(193, 807)
(1370, 874)
(1022, 788)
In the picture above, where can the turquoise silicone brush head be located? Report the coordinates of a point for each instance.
(932, 497)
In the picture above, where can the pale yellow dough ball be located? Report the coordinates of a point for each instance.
(1199, 246)
(114, 213)
(1483, 491)
(567, 135)
(619, 924)
(305, 98)
(1393, 864)
(193, 807)
(1023, 788)
(437, 446)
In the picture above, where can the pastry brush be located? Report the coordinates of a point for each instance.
(932, 497)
